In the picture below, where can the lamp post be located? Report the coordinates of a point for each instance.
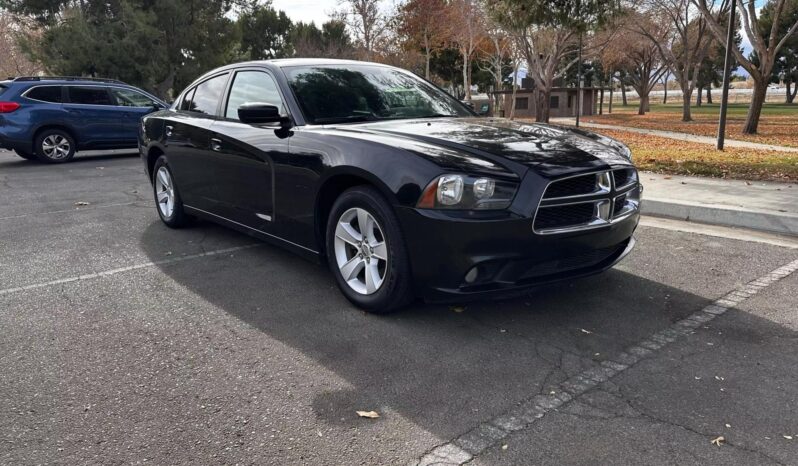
(724, 100)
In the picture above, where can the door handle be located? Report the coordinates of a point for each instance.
(169, 130)
(216, 144)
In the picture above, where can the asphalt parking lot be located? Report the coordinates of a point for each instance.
(122, 341)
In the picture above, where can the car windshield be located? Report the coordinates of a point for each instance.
(338, 94)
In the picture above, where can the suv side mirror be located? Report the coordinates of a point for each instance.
(260, 113)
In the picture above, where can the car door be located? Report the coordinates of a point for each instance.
(245, 153)
(93, 116)
(132, 106)
(187, 138)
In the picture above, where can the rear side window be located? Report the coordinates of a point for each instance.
(206, 97)
(188, 100)
(45, 94)
(128, 98)
(89, 95)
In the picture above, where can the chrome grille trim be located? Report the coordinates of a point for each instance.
(605, 202)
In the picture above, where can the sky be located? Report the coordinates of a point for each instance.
(307, 10)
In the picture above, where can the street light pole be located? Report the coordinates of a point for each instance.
(724, 100)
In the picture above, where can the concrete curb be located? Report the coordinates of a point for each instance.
(776, 222)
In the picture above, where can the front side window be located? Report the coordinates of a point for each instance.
(252, 87)
(45, 94)
(129, 98)
(335, 94)
(206, 97)
(89, 95)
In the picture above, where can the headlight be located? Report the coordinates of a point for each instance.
(467, 192)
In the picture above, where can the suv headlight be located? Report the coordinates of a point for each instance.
(465, 192)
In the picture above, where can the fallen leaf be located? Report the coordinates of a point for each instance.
(788, 437)
(718, 441)
(168, 253)
(368, 414)
(504, 447)
(748, 183)
(728, 426)
(457, 309)
(80, 203)
(668, 177)
(585, 331)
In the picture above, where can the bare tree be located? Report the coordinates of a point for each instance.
(367, 22)
(496, 52)
(419, 24)
(13, 62)
(466, 30)
(766, 45)
(682, 39)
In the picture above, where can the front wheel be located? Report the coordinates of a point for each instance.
(366, 251)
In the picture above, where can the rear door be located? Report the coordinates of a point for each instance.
(93, 116)
(188, 141)
(132, 106)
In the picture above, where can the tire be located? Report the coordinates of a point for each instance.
(167, 197)
(385, 254)
(25, 155)
(54, 146)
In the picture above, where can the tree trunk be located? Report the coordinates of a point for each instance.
(623, 95)
(790, 96)
(542, 105)
(709, 94)
(698, 96)
(665, 96)
(687, 95)
(641, 110)
(601, 102)
(466, 84)
(755, 110)
(612, 88)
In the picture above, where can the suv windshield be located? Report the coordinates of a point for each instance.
(336, 94)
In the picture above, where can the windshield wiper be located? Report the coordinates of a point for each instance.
(346, 119)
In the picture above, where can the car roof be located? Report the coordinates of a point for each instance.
(36, 80)
(288, 62)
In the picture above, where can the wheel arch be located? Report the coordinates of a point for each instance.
(56, 126)
(153, 153)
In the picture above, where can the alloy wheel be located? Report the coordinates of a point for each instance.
(56, 147)
(360, 251)
(165, 192)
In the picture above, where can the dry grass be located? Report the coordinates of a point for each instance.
(677, 157)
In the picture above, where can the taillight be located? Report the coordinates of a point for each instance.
(8, 107)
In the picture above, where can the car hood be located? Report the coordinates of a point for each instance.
(547, 149)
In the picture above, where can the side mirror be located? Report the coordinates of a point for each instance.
(259, 113)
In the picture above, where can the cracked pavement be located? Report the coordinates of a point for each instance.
(253, 356)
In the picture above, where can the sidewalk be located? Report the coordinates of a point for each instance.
(765, 206)
(675, 135)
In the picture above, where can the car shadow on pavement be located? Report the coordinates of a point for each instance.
(12, 160)
(445, 370)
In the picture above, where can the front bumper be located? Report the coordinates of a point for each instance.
(455, 259)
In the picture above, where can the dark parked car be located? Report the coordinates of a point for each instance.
(395, 183)
(50, 118)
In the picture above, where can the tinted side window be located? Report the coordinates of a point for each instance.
(45, 94)
(206, 97)
(89, 95)
(129, 98)
(250, 87)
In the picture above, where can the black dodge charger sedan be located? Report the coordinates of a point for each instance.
(400, 187)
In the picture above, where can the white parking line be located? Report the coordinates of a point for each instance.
(125, 269)
(464, 448)
(720, 231)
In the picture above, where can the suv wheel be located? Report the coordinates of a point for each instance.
(366, 251)
(167, 198)
(25, 155)
(55, 146)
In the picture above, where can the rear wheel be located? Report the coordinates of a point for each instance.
(167, 197)
(25, 155)
(55, 146)
(366, 251)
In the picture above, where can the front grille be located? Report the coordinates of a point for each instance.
(624, 177)
(564, 215)
(588, 201)
(574, 186)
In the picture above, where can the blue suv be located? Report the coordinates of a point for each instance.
(49, 118)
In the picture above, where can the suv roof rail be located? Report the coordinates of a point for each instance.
(66, 78)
